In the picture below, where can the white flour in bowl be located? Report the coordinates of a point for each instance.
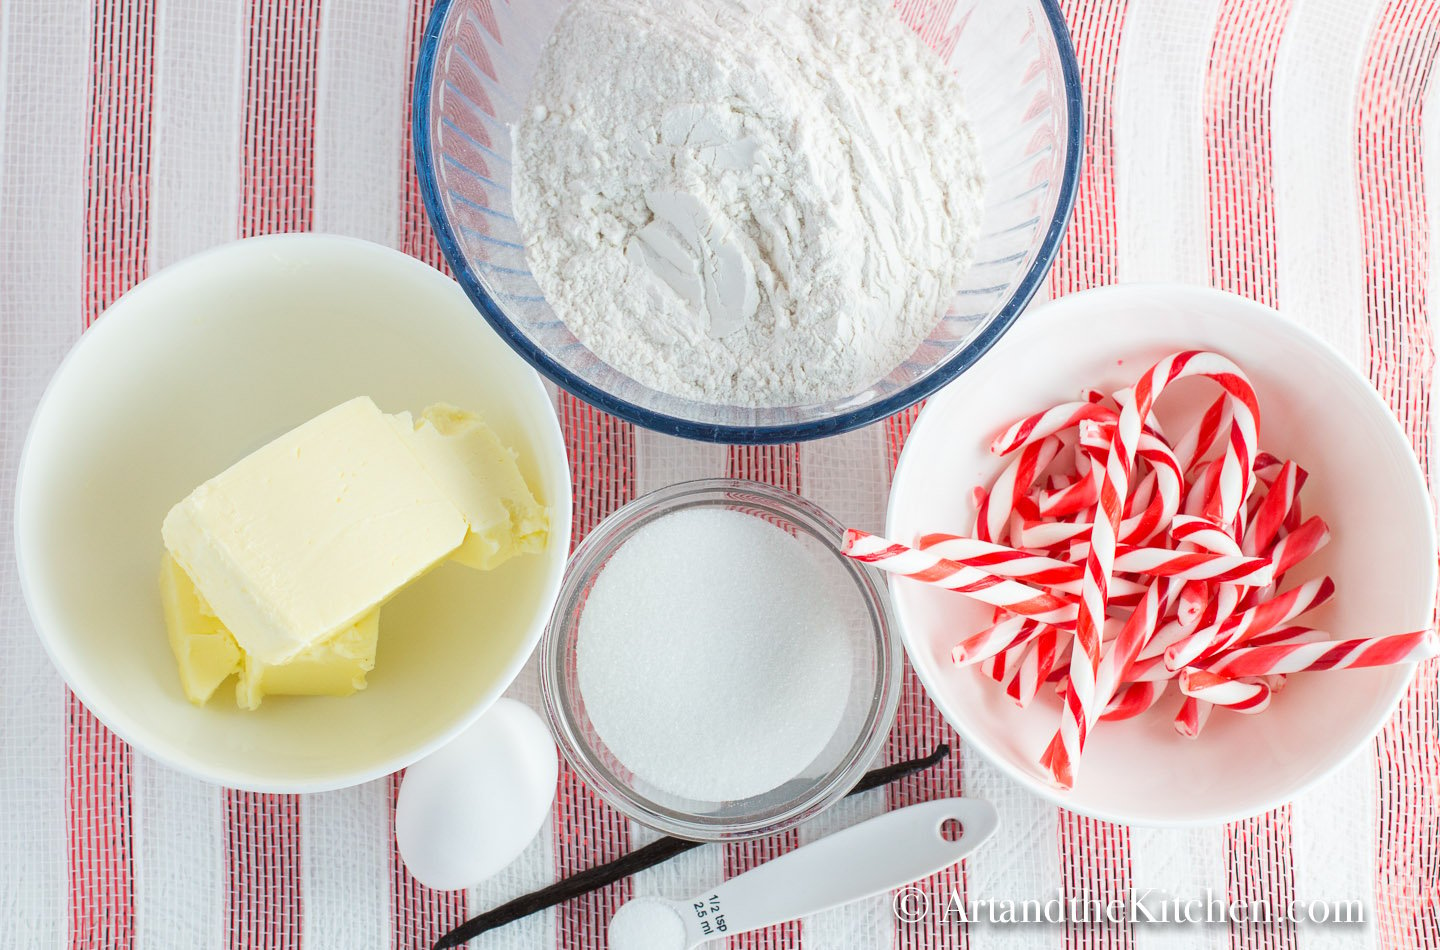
(748, 202)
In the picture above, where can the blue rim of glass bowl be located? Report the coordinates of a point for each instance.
(748, 435)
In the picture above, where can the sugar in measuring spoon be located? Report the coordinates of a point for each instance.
(863, 860)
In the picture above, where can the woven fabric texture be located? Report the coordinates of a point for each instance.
(1286, 150)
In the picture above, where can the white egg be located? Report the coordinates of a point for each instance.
(469, 809)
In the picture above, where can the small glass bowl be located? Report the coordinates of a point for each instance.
(870, 707)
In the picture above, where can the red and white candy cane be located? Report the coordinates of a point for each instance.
(1119, 656)
(1067, 500)
(1152, 669)
(1247, 696)
(1195, 565)
(1312, 535)
(1272, 613)
(1093, 438)
(997, 638)
(1219, 612)
(1267, 468)
(1289, 634)
(1155, 517)
(1046, 535)
(1193, 715)
(992, 518)
(905, 561)
(999, 559)
(1193, 533)
(1204, 483)
(1004, 561)
(1202, 437)
(1237, 473)
(1061, 756)
(1024, 679)
(1125, 397)
(1274, 509)
(1082, 454)
(1331, 655)
(1149, 669)
(1218, 608)
(1001, 665)
(1091, 445)
(1132, 700)
(1138, 501)
(1146, 513)
(1042, 425)
(1131, 563)
(1204, 534)
(1301, 542)
(1190, 606)
(1186, 565)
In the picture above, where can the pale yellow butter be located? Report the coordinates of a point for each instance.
(482, 478)
(207, 654)
(204, 650)
(336, 667)
(308, 535)
(276, 569)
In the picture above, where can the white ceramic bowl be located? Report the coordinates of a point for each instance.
(1316, 409)
(186, 374)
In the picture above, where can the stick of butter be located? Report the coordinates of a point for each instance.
(308, 535)
(276, 569)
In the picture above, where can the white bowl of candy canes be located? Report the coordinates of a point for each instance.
(1211, 698)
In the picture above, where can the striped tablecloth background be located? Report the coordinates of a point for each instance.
(1283, 149)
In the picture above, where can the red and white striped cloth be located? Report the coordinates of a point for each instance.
(1282, 149)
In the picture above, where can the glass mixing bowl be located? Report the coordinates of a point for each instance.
(1018, 69)
(859, 735)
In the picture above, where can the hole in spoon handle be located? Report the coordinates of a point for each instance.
(888, 851)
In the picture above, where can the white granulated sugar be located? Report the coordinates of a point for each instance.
(748, 202)
(646, 925)
(714, 653)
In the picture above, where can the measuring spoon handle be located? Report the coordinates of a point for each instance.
(874, 856)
